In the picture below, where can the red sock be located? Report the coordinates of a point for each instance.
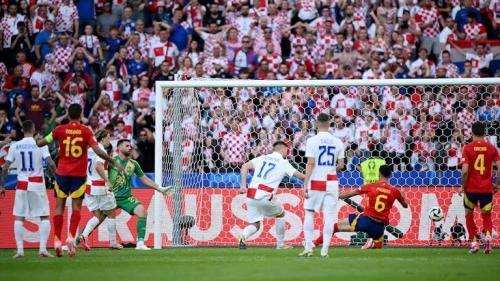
(335, 228)
(487, 224)
(471, 226)
(74, 221)
(319, 241)
(58, 223)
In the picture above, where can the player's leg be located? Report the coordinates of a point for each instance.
(470, 200)
(111, 225)
(77, 186)
(340, 226)
(254, 217)
(308, 233)
(329, 205)
(142, 215)
(19, 236)
(486, 203)
(60, 190)
(39, 207)
(89, 228)
(280, 232)
(44, 236)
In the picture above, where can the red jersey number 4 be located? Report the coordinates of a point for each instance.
(480, 156)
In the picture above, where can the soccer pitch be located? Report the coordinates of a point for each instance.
(254, 264)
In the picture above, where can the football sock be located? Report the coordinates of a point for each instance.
(327, 231)
(308, 229)
(280, 232)
(249, 231)
(141, 229)
(73, 223)
(319, 240)
(91, 224)
(471, 226)
(44, 234)
(18, 234)
(487, 224)
(112, 230)
(58, 223)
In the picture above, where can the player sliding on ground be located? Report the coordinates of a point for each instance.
(71, 177)
(325, 157)
(99, 195)
(122, 188)
(31, 197)
(477, 177)
(380, 198)
(261, 202)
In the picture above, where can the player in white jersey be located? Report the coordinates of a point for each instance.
(325, 157)
(31, 197)
(99, 195)
(269, 171)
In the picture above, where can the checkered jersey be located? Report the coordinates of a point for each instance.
(78, 98)
(62, 54)
(274, 61)
(447, 108)
(91, 43)
(451, 70)
(466, 118)
(66, 16)
(314, 52)
(235, 147)
(296, 41)
(425, 16)
(141, 47)
(3, 71)
(472, 31)
(332, 67)
(326, 42)
(211, 40)
(104, 116)
(210, 62)
(479, 62)
(160, 52)
(28, 69)
(8, 25)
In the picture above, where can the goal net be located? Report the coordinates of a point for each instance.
(206, 129)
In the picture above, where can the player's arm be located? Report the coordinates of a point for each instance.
(402, 200)
(99, 167)
(101, 153)
(497, 186)
(52, 165)
(340, 165)
(465, 176)
(45, 141)
(311, 163)
(243, 174)
(348, 194)
(5, 170)
(299, 175)
(151, 184)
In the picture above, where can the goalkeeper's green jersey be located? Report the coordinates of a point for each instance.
(370, 170)
(122, 183)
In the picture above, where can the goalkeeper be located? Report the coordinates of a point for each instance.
(121, 183)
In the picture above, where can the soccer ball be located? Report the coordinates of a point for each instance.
(435, 213)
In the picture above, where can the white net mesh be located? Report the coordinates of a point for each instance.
(420, 130)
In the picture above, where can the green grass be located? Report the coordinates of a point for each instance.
(254, 264)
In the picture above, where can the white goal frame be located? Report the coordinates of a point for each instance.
(159, 85)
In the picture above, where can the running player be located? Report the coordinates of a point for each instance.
(31, 197)
(477, 175)
(99, 195)
(71, 179)
(122, 182)
(261, 201)
(325, 157)
(380, 198)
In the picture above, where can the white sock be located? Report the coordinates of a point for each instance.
(112, 230)
(327, 231)
(249, 230)
(308, 229)
(18, 234)
(280, 232)
(44, 234)
(93, 222)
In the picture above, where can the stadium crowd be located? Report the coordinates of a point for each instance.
(106, 55)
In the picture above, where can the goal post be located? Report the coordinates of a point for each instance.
(204, 129)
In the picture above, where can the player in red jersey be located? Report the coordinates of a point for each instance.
(71, 175)
(477, 186)
(381, 196)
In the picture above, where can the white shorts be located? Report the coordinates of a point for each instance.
(104, 202)
(258, 209)
(321, 199)
(29, 204)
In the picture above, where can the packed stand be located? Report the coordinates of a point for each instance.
(106, 56)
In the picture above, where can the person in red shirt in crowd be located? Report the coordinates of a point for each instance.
(380, 199)
(478, 158)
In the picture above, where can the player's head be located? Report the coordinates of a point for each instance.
(28, 128)
(281, 148)
(385, 171)
(102, 136)
(124, 147)
(323, 121)
(479, 129)
(75, 112)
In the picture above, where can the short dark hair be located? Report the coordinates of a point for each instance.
(28, 126)
(122, 141)
(75, 111)
(479, 129)
(279, 144)
(385, 171)
(101, 134)
(323, 118)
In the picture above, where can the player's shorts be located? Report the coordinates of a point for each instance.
(104, 202)
(373, 228)
(30, 204)
(128, 204)
(258, 209)
(485, 201)
(70, 186)
(323, 199)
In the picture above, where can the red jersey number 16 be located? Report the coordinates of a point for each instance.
(72, 147)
